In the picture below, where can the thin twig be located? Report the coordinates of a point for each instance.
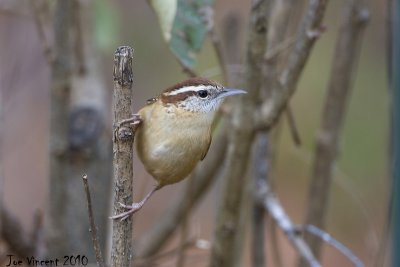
(93, 228)
(294, 131)
(326, 237)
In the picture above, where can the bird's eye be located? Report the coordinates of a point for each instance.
(203, 93)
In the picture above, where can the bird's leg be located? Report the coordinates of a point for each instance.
(131, 209)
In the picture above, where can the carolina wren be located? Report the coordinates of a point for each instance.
(175, 132)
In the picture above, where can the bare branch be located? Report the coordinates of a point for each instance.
(121, 251)
(308, 33)
(93, 228)
(278, 214)
(354, 19)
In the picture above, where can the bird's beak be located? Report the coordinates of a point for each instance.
(230, 91)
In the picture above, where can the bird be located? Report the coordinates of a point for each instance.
(175, 132)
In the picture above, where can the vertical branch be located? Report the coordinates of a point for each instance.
(354, 19)
(59, 105)
(258, 228)
(121, 251)
(229, 226)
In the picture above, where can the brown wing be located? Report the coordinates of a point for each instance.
(207, 147)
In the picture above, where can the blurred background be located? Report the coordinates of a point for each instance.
(358, 207)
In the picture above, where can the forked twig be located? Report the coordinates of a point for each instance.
(278, 214)
(326, 237)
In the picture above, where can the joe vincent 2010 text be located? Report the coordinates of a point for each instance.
(78, 260)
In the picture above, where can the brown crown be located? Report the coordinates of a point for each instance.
(173, 99)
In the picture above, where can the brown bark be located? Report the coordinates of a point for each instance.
(121, 250)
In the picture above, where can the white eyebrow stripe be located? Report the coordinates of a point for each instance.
(187, 89)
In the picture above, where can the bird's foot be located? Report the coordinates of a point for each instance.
(131, 209)
(133, 121)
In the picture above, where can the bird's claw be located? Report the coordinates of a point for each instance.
(132, 121)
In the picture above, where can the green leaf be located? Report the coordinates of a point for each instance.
(184, 26)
